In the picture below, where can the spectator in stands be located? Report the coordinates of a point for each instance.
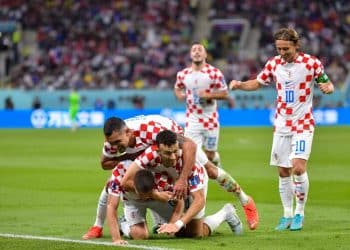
(9, 103)
(36, 104)
(293, 73)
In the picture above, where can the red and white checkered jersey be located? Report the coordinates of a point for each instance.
(295, 86)
(198, 112)
(163, 182)
(113, 185)
(146, 128)
(150, 159)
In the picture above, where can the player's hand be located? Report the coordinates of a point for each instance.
(120, 242)
(326, 88)
(180, 189)
(170, 228)
(234, 84)
(164, 196)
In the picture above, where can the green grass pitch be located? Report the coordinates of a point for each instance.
(50, 181)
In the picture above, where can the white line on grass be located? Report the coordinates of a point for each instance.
(105, 243)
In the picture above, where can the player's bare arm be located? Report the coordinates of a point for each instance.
(189, 149)
(197, 204)
(108, 163)
(179, 93)
(112, 220)
(218, 95)
(249, 85)
(326, 88)
(178, 210)
(127, 182)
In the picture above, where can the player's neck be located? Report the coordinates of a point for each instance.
(197, 66)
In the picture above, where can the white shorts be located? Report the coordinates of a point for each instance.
(285, 148)
(208, 139)
(135, 211)
(201, 213)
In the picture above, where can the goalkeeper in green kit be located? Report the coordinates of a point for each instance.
(74, 100)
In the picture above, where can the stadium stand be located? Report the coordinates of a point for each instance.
(137, 44)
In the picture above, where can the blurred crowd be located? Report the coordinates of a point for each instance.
(324, 27)
(143, 43)
(103, 44)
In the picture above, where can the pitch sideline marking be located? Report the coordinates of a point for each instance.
(105, 243)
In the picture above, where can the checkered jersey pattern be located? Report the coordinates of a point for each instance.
(145, 129)
(113, 186)
(295, 86)
(201, 113)
(150, 159)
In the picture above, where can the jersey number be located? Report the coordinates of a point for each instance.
(300, 146)
(289, 96)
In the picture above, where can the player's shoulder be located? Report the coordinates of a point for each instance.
(307, 58)
(184, 71)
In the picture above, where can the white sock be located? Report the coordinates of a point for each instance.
(229, 184)
(124, 226)
(101, 209)
(286, 189)
(214, 220)
(301, 192)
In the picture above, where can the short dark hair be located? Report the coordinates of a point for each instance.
(113, 124)
(166, 137)
(144, 181)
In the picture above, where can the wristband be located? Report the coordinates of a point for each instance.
(179, 224)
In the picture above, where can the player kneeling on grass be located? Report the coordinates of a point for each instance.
(134, 223)
(165, 159)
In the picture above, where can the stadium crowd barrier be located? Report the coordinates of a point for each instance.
(93, 118)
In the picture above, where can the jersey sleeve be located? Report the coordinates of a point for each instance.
(110, 151)
(220, 82)
(113, 185)
(196, 180)
(265, 77)
(148, 158)
(179, 84)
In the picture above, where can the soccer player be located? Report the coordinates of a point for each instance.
(74, 100)
(124, 140)
(294, 74)
(165, 159)
(127, 139)
(135, 204)
(201, 85)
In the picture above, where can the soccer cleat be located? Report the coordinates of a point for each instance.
(284, 224)
(94, 232)
(297, 222)
(251, 213)
(232, 219)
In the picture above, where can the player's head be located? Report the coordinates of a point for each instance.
(287, 43)
(117, 133)
(198, 53)
(168, 148)
(144, 184)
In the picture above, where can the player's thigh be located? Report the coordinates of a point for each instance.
(301, 146)
(281, 150)
(211, 140)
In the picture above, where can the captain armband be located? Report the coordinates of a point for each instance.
(322, 78)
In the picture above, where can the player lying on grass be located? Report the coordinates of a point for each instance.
(126, 139)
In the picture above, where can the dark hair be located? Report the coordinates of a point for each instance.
(166, 137)
(113, 124)
(144, 181)
(287, 34)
